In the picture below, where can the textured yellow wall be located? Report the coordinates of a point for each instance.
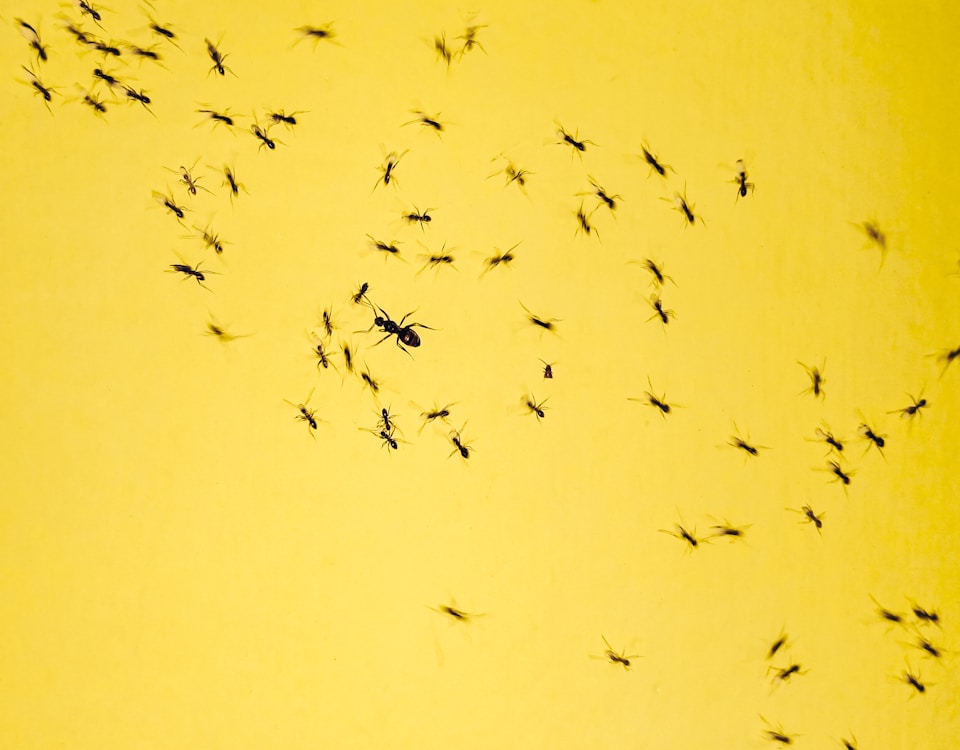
(184, 564)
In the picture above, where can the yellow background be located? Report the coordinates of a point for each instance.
(184, 567)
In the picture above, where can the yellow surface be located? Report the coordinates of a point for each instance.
(184, 566)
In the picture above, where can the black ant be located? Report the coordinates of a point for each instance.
(469, 38)
(306, 415)
(454, 613)
(361, 294)
(88, 10)
(387, 421)
(729, 531)
(230, 181)
(886, 614)
(210, 240)
(785, 673)
(868, 433)
(261, 135)
(849, 744)
(218, 117)
(168, 203)
(387, 249)
(914, 681)
(946, 357)
(547, 325)
(776, 733)
(809, 516)
(164, 31)
(38, 88)
(652, 400)
(281, 117)
(418, 217)
(566, 138)
(188, 180)
(830, 439)
(875, 236)
(33, 37)
(535, 408)
(459, 445)
(328, 324)
(372, 384)
(658, 277)
(405, 334)
(347, 355)
(513, 173)
(316, 33)
(741, 181)
(614, 658)
(817, 381)
(583, 223)
(839, 474)
(740, 444)
(924, 615)
(222, 334)
(924, 644)
(435, 261)
(138, 96)
(437, 413)
(390, 163)
(655, 165)
(547, 369)
(188, 271)
(111, 81)
(218, 59)
(913, 410)
(502, 258)
(778, 644)
(659, 311)
(386, 436)
(443, 52)
(145, 54)
(98, 107)
(426, 120)
(684, 535)
(686, 208)
(81, 36)
(323, 359)
(602, 195)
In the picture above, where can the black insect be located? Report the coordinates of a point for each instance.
(405, 334)
(442, 258)
(316, 34)
(220, 333)
(469, 38)
(548, 369)
(372, 384)
(189, 271)
(741, 181)
(187, 179)
(390, 163)
(261, 135)
(328, 324)
(165, 32)
(98, 107)
(503, 258)
(685, 535)
(729, 531)
(535, 408)
(573, 140)
(108, 79)
(615, 658)
(778, 644)
(914, 681)
(830, 439)
(456, 614)
(361, 294)
(33, 38)
(886, 614)
(218, 59)
(583, 223)
(913, 410)
(809, 516)
(231, 182)
(428, 121)
(651, 399)
(442, 50)
(306, 415)
(323, 359)
(655, 165)
(168, 203)
(609, 200)
(459, 445)
(740, 444)
(105, 47)
(925, 645)
(659, 311)
(39, 88)
(817, 381)
(387, 421)
(547, 325)
(839, 474)
(946, 357)
(868, 433)
(387, 437)
(924, 615)
(658, 277)
(387, 249)
(218, 117)
(88, 10)
(210, 239)
(418, 217)
(513, 174)
(145, 53)
(783, 674)
(138, 96)
(684, 206)
(875, 236)
(849, 744)
(81, 36)
(347, 355)
(281, 117)
(437, 413)
(776, 734)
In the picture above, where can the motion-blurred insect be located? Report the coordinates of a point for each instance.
(740, 444)
(914, 680)
(288, 120)
(404, 332)
(305, 414)
(372, 384)
(778, 644)
(547, 369)
(328, 324)
(416, 216)
(583, 223)
(220, 333)
(817, 381)
(783, 674)
(729, 531)
(429, 416)
(33, 38)
(146, 53)
(262, 135)
(218, 58)
(574, 141)
(776, 733)
(361, 294)
(685, 535)
(741, 181)
(535, 408)
(684, 206)
(218, 117)
(81, 36)
(189, 271)
(868, 433)
(544, 323)
(946, 357)
(469, 38)
(231, 182)
(347, 352)
(622, 658)
(191, 183)
(459, 444)
(38, 87)
(387, 249)
(849, 743)
(390, 162)
(658, 277)
(454, 613)
(875, 237)
(654, 162)
(924, 644)
(138, 96)
(913, 410)
(501, 258)
(317, 34)
(442, 50)
(436, 260)
(651, 399)
(659, 311)
(428, 121)
(886, 614)
(168, 203)
(86, 9)
(924, 615)
(605, 198)
(513, 173)
(826, 436)
(210, 239)
(95, 104)
(845, 477)
(163, 31)
(112, 81)
(809, 516)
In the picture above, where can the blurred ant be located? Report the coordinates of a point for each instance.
(914, 681)
(547, 325)
(86, 9)
(496, 260)
(686, 208)
(218, 59)
(361, 294)
(616, 658)
(459, 445)
(830, 439)
(817, 381)
(435, 261)
(230, 180)
(81, 36)
(306, 415)
(809, 516)
(102, 46)
(740, 444)
(652, 400)
(138, 96)
(913, 410)
(454, 613)
(533, 407)
(741, 181)
(426, 120)
(210, 240)
(436, 413)
(583, 223)
(188, 180)
(38, 88)
(90, 99)
(218, 117)
(875, 236)
(886, 614)
(548, 370)
(729, 531)
(849, 744)
(146, 54)
(565, 138)
(469, 38)
(778, 644)
(602, 196)
(443, 52)
(684, 535)
(261, 135)
(946, 357)
(655, 165)
(111, 81)
(316, 33)
(163, 31)
(383, 247)
(219, 332)
(776, 733)
(372, 384)
(659, 278)
(839, 474)
(33, 37)
(659, 311)
(281, 117)
(418, 217)
(390, 163)
(405, 334)
(925, 645)
(785, 673)
(868, 433)
(924, 615)
(328, 324)
(188, 271)
(168, 203)
(513, 173)
(347, 355)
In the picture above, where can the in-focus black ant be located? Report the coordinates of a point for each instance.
(573, 140)
(418, 217)
(405, 334)
(530, 401)
(306, 415)
(191, 271)
(741, 181)
(460, 445)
